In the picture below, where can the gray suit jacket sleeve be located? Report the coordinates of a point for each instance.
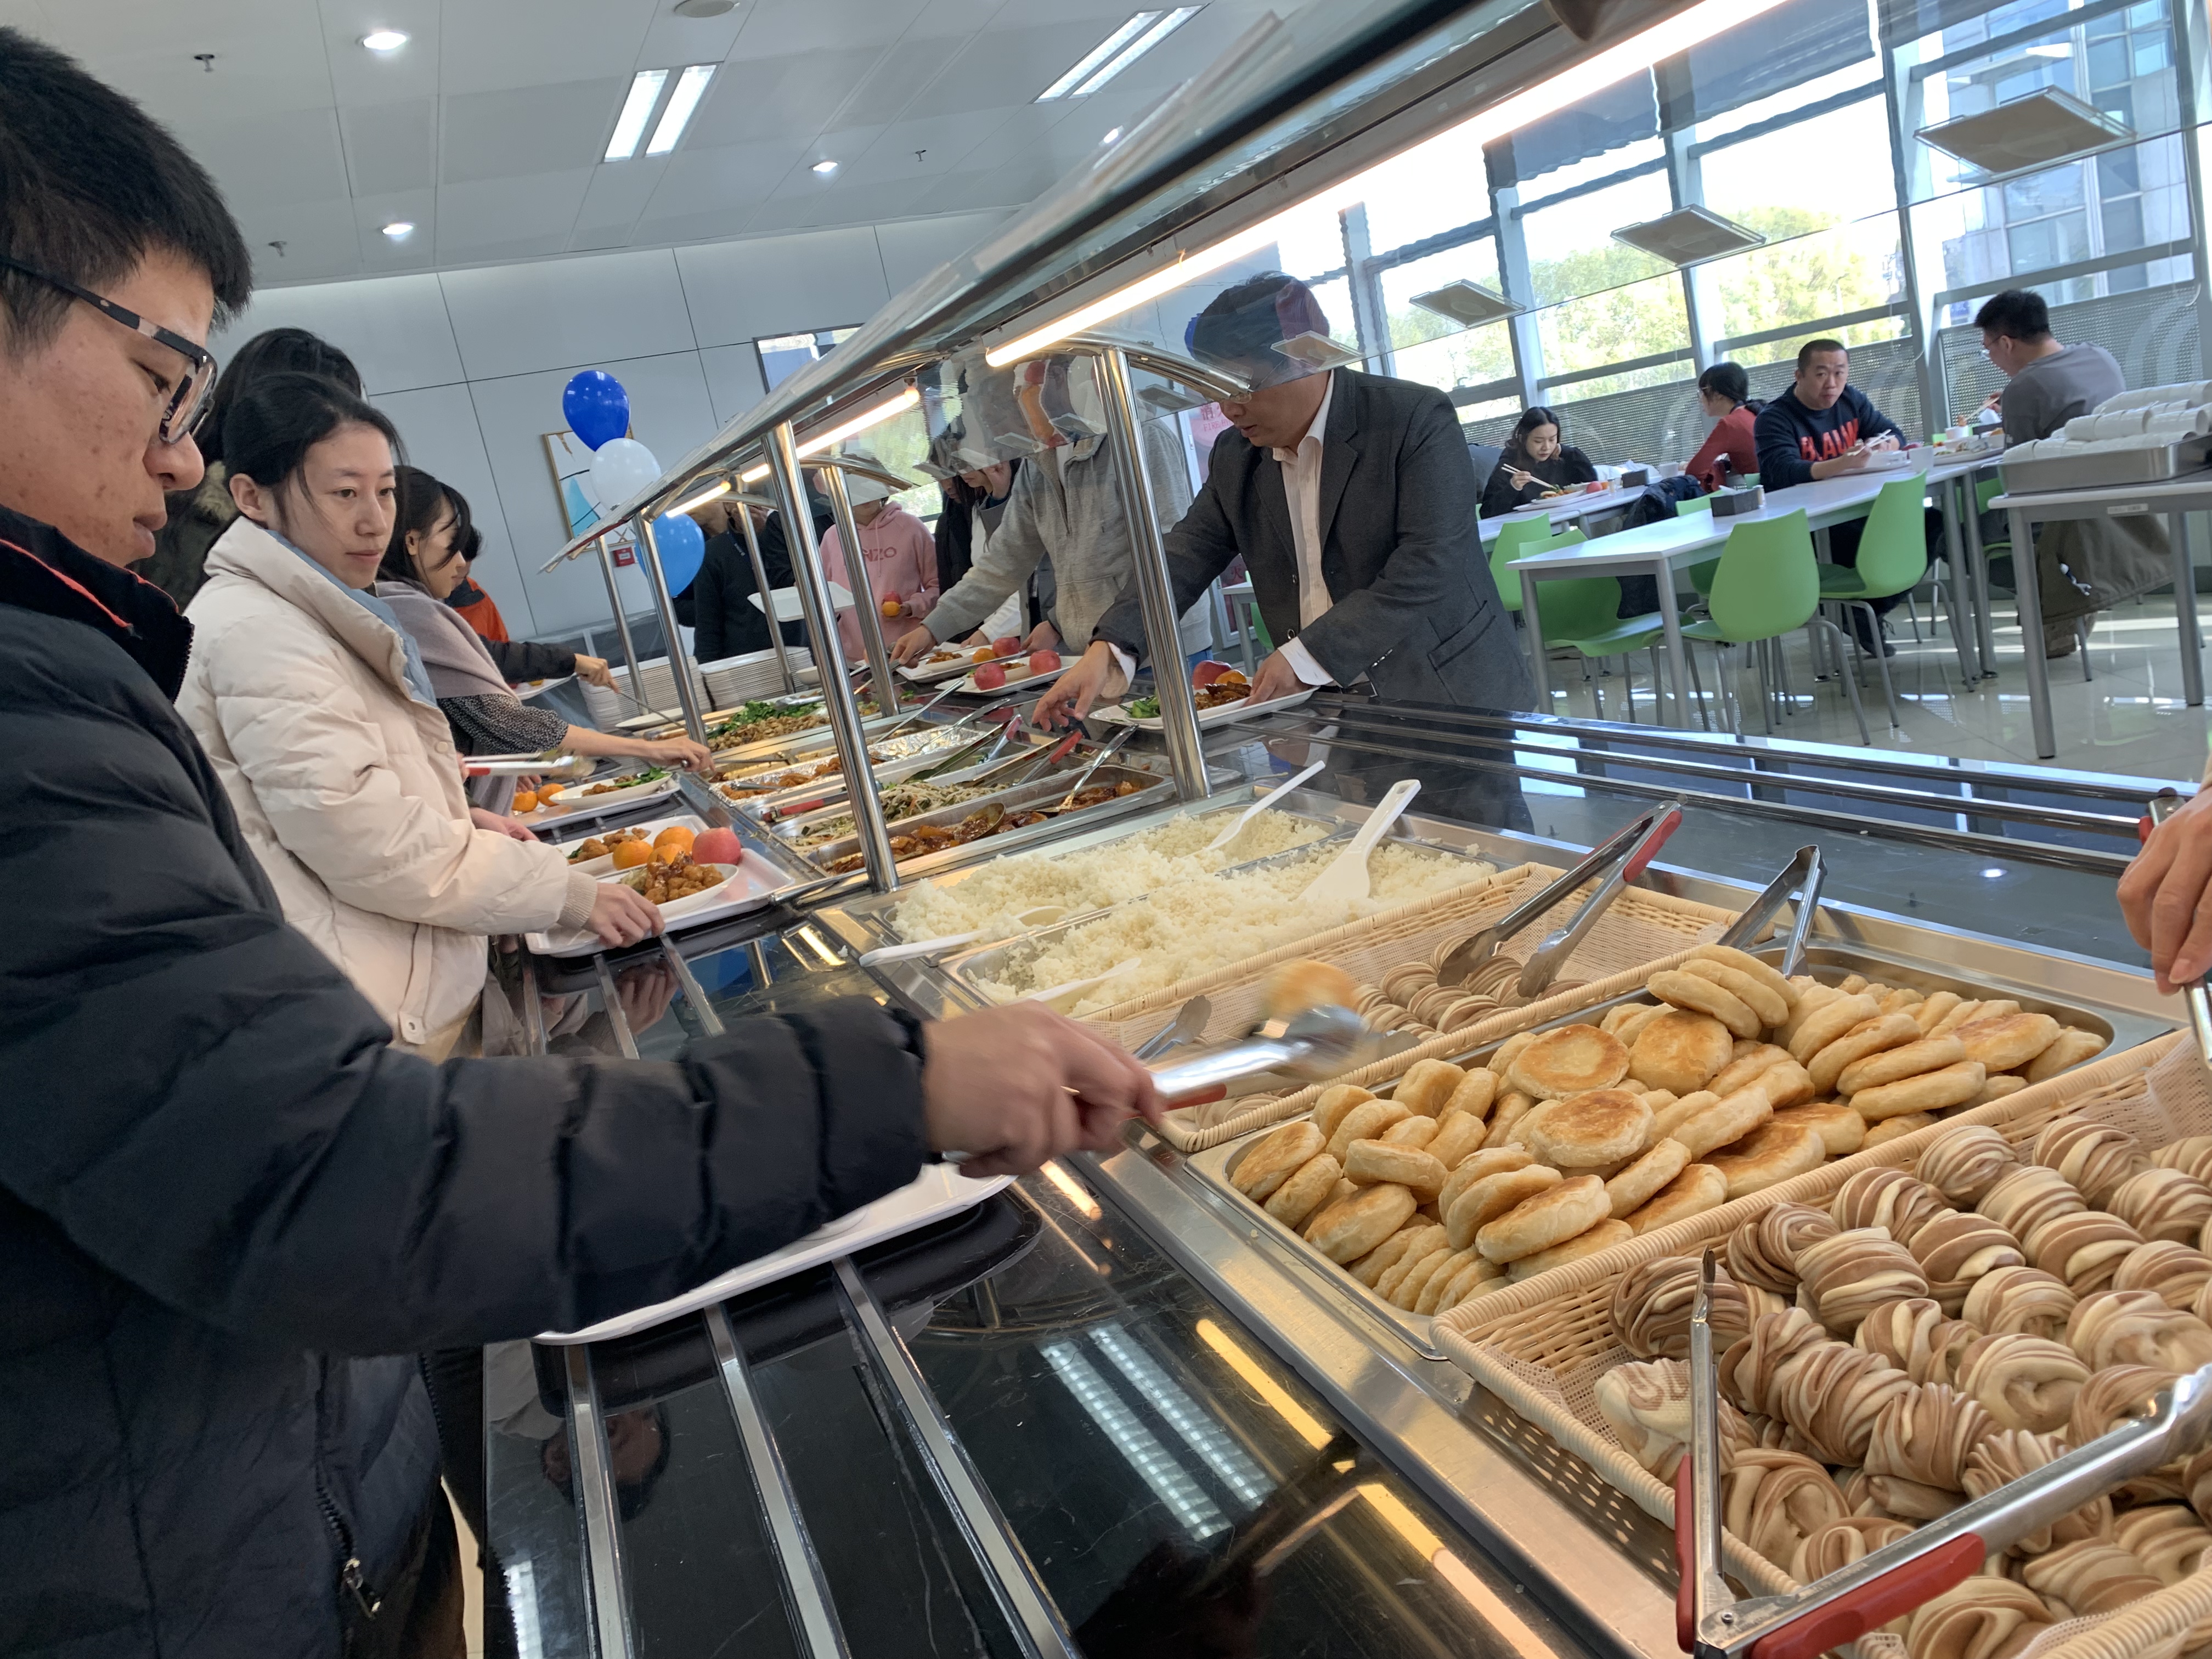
(1008, 557)
(1436, 505)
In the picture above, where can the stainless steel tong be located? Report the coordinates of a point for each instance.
(1803, 876)
(1621, 859)
(1711, 1623)
(1317, 1044)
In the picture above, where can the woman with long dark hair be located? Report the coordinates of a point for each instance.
(1724, 390)
(1535, 463)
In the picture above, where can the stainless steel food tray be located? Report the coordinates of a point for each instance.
(838, 805)
(2033, 475)
(1151, 788)
(830, 791)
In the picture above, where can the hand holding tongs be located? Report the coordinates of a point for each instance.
(1803, 876)
(1317, 1044)
(2163, 806)
(1710, 1621)
(1624, 855)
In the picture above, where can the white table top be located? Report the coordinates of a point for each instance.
(1693, 536)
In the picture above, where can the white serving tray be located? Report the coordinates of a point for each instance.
(1227, 715)
(944, 671)
(539, 688)
(570, 801)
(1014, 687)
(604, 863)
(939, 1191)
(752, 884)
(788, 607)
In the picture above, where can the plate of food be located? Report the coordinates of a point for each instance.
(690, 892)
(1223, 695)
(945, 662)
(604, 794)
(1006, 668)
(602, 854)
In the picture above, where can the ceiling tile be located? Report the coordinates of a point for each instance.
(887, 89)
(618, 192)
(274, 161)
(779, 28)
(757, 98)
(495, 45)
(391, 147)
(539, 208)
(674, 39)
(529, 129)
(740, 290)
(319, 237)
(942, 143)
(713, 180)
(1008, 66)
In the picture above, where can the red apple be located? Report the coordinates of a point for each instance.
(1044, 662)
(1206, 672)
(990, 677)
(717, 847)
(1008, 646)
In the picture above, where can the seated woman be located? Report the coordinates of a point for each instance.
(1535, 464)
(319, 718)
(1725, 391)
(423, 562)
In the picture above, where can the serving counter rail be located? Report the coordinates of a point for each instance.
(1107, 1411)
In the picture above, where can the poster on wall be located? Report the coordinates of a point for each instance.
(571, 462)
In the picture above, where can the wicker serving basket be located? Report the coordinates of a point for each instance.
(1639, 932)
(1541, 1346)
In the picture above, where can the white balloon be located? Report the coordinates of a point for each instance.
(620, 469)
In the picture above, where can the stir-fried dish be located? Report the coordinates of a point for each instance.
(664, 883)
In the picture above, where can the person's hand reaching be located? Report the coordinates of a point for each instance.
(2164, 896)
(1014, 1086)
(679, 752)
(1070, 697)
(593, 671)
(1274, 678)
(513, 829)
(916, 642)
(622, 915)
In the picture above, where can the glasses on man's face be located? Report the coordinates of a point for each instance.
(188, 398)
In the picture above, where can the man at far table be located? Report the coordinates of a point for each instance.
(1351, 499)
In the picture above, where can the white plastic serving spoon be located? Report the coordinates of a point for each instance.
(1041, 915)
(1055, 994)
(1275, 797)
(1346, 881)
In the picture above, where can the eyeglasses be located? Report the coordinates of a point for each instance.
(188, 401)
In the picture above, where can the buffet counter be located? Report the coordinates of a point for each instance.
(1112, 1409)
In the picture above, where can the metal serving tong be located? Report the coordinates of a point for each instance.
(1113, 747)
(1317, 1044)
(2163, 806)
(1623, 856)
(529, 766)
(1711, 1623)
(1803, 876)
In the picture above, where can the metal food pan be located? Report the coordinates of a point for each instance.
(830, 791)
(1151, 788)
(839, 806)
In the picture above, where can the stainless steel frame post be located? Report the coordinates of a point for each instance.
(1178, 712)
(768, 599)
(621, 625)
(837, 699)
(679, 660)
(595, 1488)
(864, 591)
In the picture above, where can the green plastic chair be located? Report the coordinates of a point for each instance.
(1768, 584)
(1701, 575)
(1892, 558)
(1517, 539)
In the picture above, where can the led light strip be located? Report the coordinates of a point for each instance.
(883, 411)
(1701, 23)
(1256, 1378)
(1169, 1480)
(1200, 1433)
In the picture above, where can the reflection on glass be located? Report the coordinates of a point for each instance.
(1571, 247)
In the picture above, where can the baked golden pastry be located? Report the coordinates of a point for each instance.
(1774, 1500)
(2192, 1156)
(2025, 1198)
(1583, 1130)
(1965, 1162)
(1456, 1135)
(2022, 1381)
(1771, 1007)
(1896, 1129)
(1427, 1084)
(1930, 1009)
(2085, 1248)
(2072, 1047)
(1477, 1092)
(1431, 1291)
(1492, 1196)
(1698, 1189)
(1749, 1371)
(1275, 1160)
(2020, 1302)
(1834, 1394)
(2163, 1204)
(1335, 1100)
(2095, 1157)
(1908, 1059)
(1984, 1618)
(1701, 995)
(1545, 1219)
(1747, 1061)
(1651, 1302)
(1868, 1037)
(1474, 1166)
(2175, 1272)
(2002, 1456)
(1679, 1049)
(1351, 1227)
(2004, 1042)
(1828, 1022)
(1368, 1161)
(1995, 1086)
(1646, 1404)
(1405, 1289)
(1479, 1277)
(1931, 1092)
(1364, 1121)
(1628, 1191)
(1567, 1061)
(1841, 1130)
(2136, 1328)
(1603, 1236)
(1961, 1012)
(1512, 1107)
(2094, 1576)
(1678, 1110)
(1744, 962)
(1421, 1241)
(1771, 1154)
(1293, 987)
(1386, 1255)
(1842, 1279)
(1305, 1192)
(1723, 1122)
(1409, 1132)
(1889, 1199)
(1957, 1248)
(1763, 1251)
(1903, 1334)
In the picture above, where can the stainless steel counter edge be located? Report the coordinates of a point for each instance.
(1410, 1413)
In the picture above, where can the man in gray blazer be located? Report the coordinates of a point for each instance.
(1352, 501)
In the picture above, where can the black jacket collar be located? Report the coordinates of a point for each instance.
(42, 570)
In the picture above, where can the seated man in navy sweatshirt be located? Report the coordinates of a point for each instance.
(1824, 426)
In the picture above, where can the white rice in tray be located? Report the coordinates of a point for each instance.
(987, 899)
(1194, 926)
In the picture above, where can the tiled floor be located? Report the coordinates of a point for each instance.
(2129, 719)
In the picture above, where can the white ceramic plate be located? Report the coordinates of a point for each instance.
(1227, 715)
(604, 863)
(749, 885)
(539, 688)
(926, 672)
(571, 800)
(1013, 686)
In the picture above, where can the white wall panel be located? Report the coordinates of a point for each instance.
(438, 425)
(394, 328)
(917, 247)
(739, 291)
(517, 319)
(733, 381)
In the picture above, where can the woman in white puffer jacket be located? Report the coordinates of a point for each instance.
(322, 726)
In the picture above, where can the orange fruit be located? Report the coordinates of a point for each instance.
(674, 833)
(631, 853)
(525, 801)
(671, 853)
(981, 653)
(891, 608)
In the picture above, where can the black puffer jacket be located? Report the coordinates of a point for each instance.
(216, 1180)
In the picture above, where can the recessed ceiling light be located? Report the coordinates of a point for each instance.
(399, 229)
(629, 127)
(1113, 135)
(825, 168)
(704, 8)
(1992, 874)
(1132, 40)
(384, 40)
(690, 87)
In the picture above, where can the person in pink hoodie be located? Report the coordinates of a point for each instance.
(901, 557)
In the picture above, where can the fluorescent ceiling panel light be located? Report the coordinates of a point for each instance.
(883, 411)
(1200, 1431)
(825, 168)
(1688, 235)
(1171, 1482)
(384, 40)
(690, 87)
(629, 127)
(1467, 303)
(1097, 55)
(399, 229)
(702, 498)
(2039, 131)
(1136, 49)
(1593, 74)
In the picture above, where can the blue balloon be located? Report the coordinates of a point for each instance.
(596, 407)
(683, 547)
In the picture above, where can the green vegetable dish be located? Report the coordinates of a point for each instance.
(1143, 708)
